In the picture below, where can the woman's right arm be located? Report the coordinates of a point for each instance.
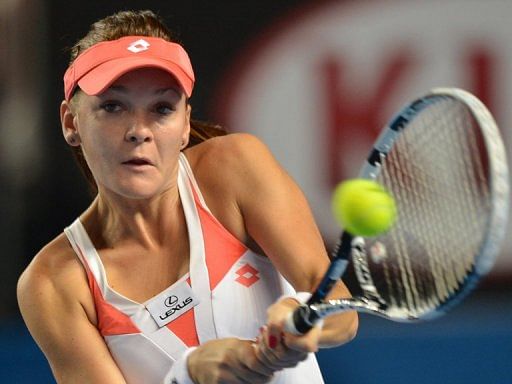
(53, 297)
(58, 309)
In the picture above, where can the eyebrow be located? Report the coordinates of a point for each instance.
(164, 90)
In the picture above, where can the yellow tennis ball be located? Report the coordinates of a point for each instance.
(363, 207)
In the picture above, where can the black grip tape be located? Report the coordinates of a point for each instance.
(304, 319)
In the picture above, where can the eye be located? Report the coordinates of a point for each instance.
(111, 106)
(164, 108)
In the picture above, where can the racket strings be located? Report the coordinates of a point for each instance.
(474, 191)
(438, 176)
(406, 285)
(445, 277)
(456, 215)
(409, 286)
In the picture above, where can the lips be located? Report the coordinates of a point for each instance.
(138, 161)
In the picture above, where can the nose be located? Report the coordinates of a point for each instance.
(138, 134)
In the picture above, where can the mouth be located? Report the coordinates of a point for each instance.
(137, 162)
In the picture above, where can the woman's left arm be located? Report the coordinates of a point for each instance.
(278, 218)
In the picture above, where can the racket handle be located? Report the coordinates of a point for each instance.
(305, 317)
(301, 320)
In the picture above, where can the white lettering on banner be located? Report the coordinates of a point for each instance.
(321, 87)
(172, 303)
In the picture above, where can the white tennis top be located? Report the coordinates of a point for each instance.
(225, 294)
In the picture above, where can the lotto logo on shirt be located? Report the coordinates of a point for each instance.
(247, 275)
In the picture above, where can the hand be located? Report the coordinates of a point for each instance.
(227, 361)
(277, 315)
(274, 352)
(334, 331)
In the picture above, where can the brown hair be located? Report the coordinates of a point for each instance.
(134, 23)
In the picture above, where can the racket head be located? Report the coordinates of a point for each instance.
(443, 161)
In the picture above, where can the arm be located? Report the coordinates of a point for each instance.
(277, 216)
(53, 298)
(258, 202)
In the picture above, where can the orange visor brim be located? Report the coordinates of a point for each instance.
(99, 66)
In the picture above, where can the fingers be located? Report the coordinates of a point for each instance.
(250, 369)
(256, 363)
(307, 343)
(227, 361)
(278, 314)
(275, 354)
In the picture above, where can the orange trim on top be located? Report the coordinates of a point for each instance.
(222, 249)
(111, 321)
(185, 327)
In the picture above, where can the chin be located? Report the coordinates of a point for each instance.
(138, 195)
(141, 193)
(137, 190)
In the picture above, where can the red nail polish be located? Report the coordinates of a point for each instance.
(272, 341)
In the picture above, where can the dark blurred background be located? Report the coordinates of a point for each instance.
(249, 58)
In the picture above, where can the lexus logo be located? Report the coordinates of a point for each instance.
(170, 301)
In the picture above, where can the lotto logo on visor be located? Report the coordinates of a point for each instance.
(95, 69)
(139, 46)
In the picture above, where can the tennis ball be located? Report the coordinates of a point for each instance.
(363, 207)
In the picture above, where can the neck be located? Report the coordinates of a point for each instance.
(148, 222)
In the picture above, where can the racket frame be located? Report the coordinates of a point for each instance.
(348, 246)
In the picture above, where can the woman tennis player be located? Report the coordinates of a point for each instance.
(188, 260)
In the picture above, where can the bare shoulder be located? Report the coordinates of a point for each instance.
(230, 145)
(54, 277)
(224, 158)
(58, 309)
(227, 169)
(54, 264)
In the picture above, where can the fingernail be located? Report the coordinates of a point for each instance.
(272, 341)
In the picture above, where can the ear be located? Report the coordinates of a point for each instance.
(68, 124)
(186, 134)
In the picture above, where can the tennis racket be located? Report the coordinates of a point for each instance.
(443, 161)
